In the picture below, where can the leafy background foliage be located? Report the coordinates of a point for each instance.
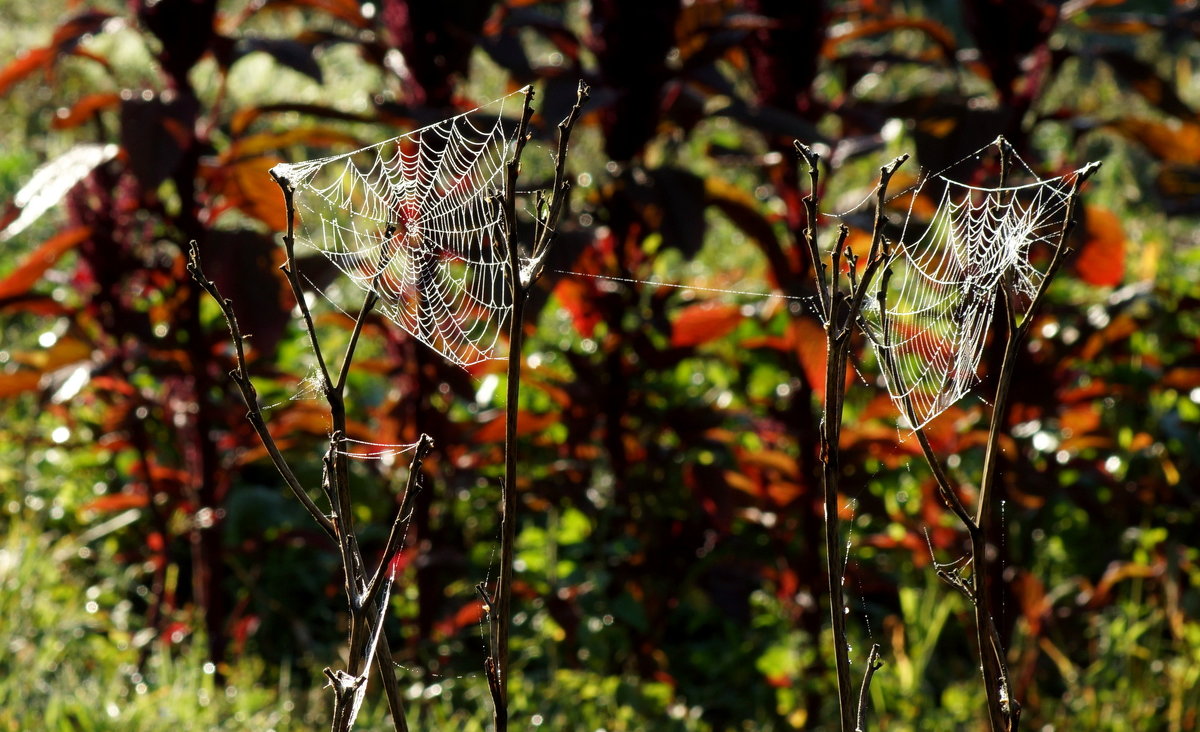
(155, 574)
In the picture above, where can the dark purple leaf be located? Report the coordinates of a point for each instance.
(185, 29)
(155, 134)
(242, 263)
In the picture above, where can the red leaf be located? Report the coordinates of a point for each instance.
(401, 560)
(27, 273)
(1101, 258)
(84, 109)
(176, 632)
(468, 614)
(346, 10)
(578, 296)
(244, 628)
(23, 66)
(704, 322)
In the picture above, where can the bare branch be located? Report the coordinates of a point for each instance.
(241, 377)
(289, 268)
(499, 615)
(424, 445)
(875, 259)
(820, 273)
(559, 193)
(873, 665)
(368, 304)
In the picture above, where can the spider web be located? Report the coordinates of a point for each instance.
(941, 298)
(417, 220)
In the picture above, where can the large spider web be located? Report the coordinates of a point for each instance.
(947, 278)
(417, 220)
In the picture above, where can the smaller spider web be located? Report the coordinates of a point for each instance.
(417, 220)
(946, 277)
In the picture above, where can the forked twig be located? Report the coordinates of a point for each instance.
(241, 377)
(1004, 711)
(873, 665)
(520, 284)
(840, 298)
(366, 596)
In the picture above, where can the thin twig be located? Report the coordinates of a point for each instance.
(876, 258)
(520, 283)
(820, 274)
(424, 445)
(240, 376)
(293, 277)
(841, 309)
(873, 665)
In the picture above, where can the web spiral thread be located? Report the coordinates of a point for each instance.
(417, 220)
(946, 282)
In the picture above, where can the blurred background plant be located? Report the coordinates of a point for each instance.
(155, 573)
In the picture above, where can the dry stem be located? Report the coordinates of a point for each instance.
(499, 604)
(840, 302)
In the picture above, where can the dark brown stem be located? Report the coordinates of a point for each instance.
(520, 283)
(820, 274)
(241, 377)
(877, 257)
(368, 305)
(840, 309)
(391, 688)
(371, 593)
(293, 277)
(367, 597)
(1004, 712)
(496, 665)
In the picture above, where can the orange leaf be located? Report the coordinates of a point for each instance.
(18, 382)
(1183, 377)
(468, 614)
(63, 353)
(117, 502)
(260, 196)
(1101, 258)
(258, 144)
(1119, 329)
(527, 424)
(808, 338)
(1176, 142)
(20, 280)
(704, 322)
